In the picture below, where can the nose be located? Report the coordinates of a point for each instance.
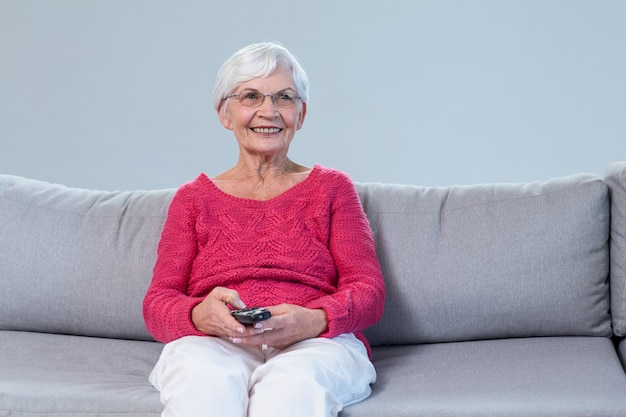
(268, 98)
(268, 105)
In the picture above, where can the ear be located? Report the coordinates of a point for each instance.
(302, 115)
(221, 113)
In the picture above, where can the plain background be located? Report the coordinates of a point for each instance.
(116, 94)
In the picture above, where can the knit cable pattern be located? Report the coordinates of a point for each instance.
(310, 246)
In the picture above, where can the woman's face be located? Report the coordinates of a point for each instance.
(267, 129)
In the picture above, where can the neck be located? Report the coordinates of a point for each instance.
(264, 169)
(261, 181)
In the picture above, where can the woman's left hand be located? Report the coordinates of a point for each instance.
(289, 324)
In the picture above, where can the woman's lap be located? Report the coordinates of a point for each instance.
(212, 376)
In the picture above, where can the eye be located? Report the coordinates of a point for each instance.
(250, 98)
(250, 95)
(286, 98)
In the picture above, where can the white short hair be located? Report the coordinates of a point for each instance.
(257, 60)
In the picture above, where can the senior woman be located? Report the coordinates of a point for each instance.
(269, 233)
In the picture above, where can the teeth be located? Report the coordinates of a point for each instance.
(266, 129)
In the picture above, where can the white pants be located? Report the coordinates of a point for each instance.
(208, 376)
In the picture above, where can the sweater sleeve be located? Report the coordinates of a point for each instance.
(359, 300)
(166, 306)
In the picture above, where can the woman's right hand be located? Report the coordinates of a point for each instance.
(212, 316)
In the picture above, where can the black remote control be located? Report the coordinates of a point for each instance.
(251, 315)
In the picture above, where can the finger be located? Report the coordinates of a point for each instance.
(233, 326)
(233, 299)
(265, 326)
(229, 296)
(247, 340)
(236, 302)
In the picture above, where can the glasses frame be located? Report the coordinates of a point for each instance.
(272, 96)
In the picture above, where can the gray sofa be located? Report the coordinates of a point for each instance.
(498, 299)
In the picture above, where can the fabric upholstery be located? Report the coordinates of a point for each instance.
(464, 264)
(76, 261)
(544, 377)
(58, 375)
(615, 177)
(446, 254)
(620, 344)
(491, 261)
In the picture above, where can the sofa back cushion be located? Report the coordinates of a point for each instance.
(76, 261)
(615, 177)
(460, 263)
(491, 261)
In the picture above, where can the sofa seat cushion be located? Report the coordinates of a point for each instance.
(621, 350)
(559, 376)
(57, 375)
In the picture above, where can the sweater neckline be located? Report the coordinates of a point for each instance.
(285, 194)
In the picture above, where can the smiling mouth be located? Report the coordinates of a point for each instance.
(266, 130)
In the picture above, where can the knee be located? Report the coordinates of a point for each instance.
(291, 392)
(196, 362)
(293, 380)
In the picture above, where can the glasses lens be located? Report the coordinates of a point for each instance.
(250, 98)
(285, 99)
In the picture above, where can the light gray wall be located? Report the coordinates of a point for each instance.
(115, 94)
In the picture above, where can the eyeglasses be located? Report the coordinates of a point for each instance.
(252, 98)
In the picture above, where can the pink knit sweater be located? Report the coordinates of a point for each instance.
(311, 246)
